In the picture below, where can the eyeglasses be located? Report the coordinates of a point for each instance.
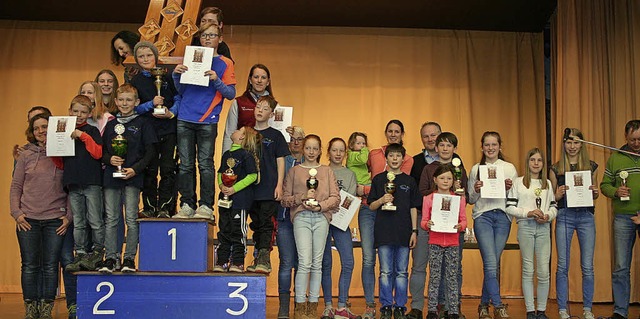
(208, 35)
(297, 140)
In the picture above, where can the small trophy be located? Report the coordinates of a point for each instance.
(312, 183)
(158, 73)
(119, 146)
(624, 175)
(390, 188)
(354, 234)
(228, 179)
(458, 173)
(538, 192)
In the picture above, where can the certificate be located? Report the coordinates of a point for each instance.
(445, 213)
(492, 177)
(198, 60)
(578, 194)
(283, 117)
(348, 206)
(59, 141)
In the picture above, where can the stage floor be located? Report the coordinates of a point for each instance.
(11, 307)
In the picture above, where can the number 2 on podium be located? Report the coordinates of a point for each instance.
(172, 233)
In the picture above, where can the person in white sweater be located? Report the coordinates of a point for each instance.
(532, 202)
(491, 224)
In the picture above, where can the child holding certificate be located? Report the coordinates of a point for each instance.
(443, 245)
(532, 203)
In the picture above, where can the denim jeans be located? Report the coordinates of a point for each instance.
(161, 196)
(492, 231)
(86, 205)
(112, 197)
(581, 221)
(624, 237)
(344, 245)
(286, 252)
(535, 241)
(366, 221)
(394, 264)
(66, 257)
(310, 230)
(417, 280)
(204, 136)
(40, 253)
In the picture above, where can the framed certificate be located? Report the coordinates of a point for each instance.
(198, 60)
(59, 141)
(578, 194)
(348, 207)
(492, 177)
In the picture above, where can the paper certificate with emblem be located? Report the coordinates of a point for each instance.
(492, 177)
(445, 213)
(578, 194)
(281, 119)
(59, 141)
(198, 60)
(347, 208)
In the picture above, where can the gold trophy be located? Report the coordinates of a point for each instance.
(228, 179)
(456, 162)
(538, 192)
(158, 73)
(624, 175)
(119, 146)
(312, 183)
(390, 188)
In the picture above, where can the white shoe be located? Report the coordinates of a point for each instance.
(185, 212)
(564, 314)
(588, 315)
(204, 211)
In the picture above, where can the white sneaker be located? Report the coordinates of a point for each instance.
(204, 211)
(588, 315)
(564, 314)
(185, 212)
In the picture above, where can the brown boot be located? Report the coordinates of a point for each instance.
(483, 311)
(312, 310)
(500, 312)
(300, 311)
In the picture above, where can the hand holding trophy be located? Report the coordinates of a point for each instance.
(624, 175)
(456, 162)
(312, 185)
(229, 178)
(158, 73)
(390, 188)
(119, 146)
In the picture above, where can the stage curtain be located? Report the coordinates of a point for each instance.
(596, 66)
(338, 80)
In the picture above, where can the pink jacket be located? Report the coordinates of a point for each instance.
(443, 239)
(295, 188)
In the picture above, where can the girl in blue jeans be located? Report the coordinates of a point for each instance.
(577, 219)
(490, 223)
(532, 203)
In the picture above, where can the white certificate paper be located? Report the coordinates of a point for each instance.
(281, 119)
(348, 207)
(579, 194)
(198, 60)
(492, 178)
(59, 141)
(445, 213)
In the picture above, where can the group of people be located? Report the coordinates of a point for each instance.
(77, 202)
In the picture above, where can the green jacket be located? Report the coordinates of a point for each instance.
(611, 181)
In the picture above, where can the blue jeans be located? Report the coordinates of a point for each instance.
(366, 221)
(342, 240)
(286, 252)
(86, 205)
(492, 231)
(40, 253)
(204, 136)
(581, 221)
(394, 263)
(624, 237)
(535, 240)
(310, 230)
(112, 198)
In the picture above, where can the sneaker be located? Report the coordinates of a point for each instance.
(542, 315)
(76, 264)
(398, 313)
(345, 314)
(108, 266)
(432, 315)
(147, 213)
(483, 311)
(414, 314)
(236, 268)
(91, 260)
(328, 313)
(532, 315)
(385, 312)
(563, 314)
(205, 212)
(128, 266)
(588, 315)
(369, 311)
(164, 214)
(218, 268)
(71, 310)
(264, 262)
(185, 212)
(500, 312)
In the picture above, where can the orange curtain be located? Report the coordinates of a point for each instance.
(338, 80)
(596, 66)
